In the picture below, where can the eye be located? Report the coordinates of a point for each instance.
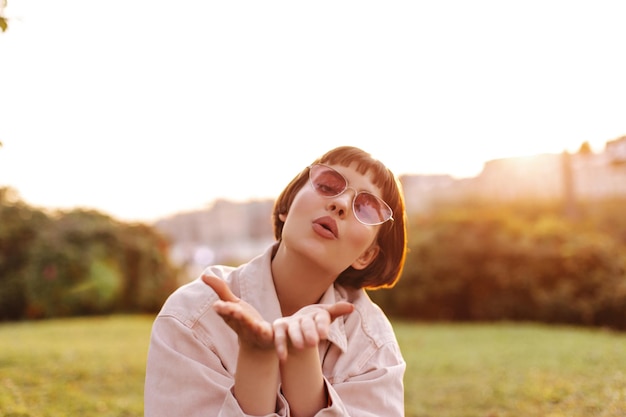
(367, 207)
(370, 209)
(329, 183)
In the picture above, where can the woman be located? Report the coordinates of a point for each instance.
(293, 332)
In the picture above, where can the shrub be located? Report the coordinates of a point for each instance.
(485, 264)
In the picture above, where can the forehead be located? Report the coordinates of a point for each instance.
(362, 180)
(362, 163)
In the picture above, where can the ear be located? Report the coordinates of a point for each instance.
(282, 217)
(366, 257)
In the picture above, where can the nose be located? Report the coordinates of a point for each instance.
(342, 203)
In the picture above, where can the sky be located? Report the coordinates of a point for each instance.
(144, 108)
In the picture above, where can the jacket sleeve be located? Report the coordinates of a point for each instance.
(184, 377)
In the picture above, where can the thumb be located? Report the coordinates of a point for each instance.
(220, 287)
(340, 309)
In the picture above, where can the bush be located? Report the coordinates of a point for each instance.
(19, 226)
(78, 263)
(486, 264)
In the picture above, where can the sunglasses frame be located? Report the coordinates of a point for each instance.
(356, 194)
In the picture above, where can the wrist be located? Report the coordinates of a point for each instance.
(254, 351)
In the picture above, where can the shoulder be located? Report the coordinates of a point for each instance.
(251, 281)
(192, 300)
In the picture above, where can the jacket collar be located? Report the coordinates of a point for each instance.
(256, 286)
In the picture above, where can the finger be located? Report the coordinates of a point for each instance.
(220, 287)
(265, 331)
(280, 340)
(261, 333)
(294, 330)
(322, 324)
(261, 328)
(308, 328)
(340, 309)
(226, 308)
(235, 311)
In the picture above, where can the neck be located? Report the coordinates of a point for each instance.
(298, 281)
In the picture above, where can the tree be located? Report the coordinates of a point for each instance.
(19, 226)
(499, 263)
(79, 262)
(3, 20)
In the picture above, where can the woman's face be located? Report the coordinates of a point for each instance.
(326, 230)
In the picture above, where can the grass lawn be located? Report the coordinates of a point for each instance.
(74, 367)
(507, 370)
(95, 367)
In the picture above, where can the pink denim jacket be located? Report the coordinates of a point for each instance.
(193, 354)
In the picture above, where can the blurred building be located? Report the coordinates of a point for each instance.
(225, 233)
(231, 233)
(583, 175)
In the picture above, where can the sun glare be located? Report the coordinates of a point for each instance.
(178, 105)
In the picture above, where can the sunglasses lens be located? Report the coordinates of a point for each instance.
(367, 208)
(370, 209)
(326, 181)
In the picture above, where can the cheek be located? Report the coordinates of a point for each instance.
(357, 236)
(298, 209)
(361, 237)
(304, 201)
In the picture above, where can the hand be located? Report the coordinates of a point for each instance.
(307, 326)
(252, 329)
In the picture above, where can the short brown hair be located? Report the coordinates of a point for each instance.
(385, 270)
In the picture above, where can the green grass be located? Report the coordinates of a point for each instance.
(74, 367)
(95, 367)
(506, 370)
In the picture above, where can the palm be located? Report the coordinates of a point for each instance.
(307, 327)
(244, 319)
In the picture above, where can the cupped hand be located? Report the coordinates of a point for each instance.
(244, 319)
(307, 326)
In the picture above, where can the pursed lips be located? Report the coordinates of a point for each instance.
(328, 224)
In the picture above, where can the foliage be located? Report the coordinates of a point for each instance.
(479, 261)
(495, 263)
(4, 24)
(78, 263)
(499, 370)
(19, 229)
